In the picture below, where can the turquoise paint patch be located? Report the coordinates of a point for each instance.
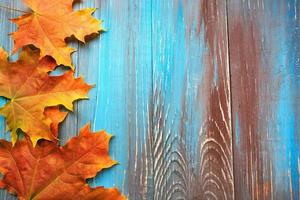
(215, 71)
(237, 131)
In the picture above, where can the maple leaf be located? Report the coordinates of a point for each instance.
(50, 23)
(30, 89)
(49, 172)
(56, 117)
(3, 54)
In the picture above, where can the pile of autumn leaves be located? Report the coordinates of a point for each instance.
(33, 165)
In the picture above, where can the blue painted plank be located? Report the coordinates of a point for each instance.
(192, 157)
(119, 62)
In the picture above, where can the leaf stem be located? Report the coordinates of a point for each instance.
(12, 9)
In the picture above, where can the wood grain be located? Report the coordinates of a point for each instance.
(192, 131)
(125, 90)
(264, 60)
(202, 96)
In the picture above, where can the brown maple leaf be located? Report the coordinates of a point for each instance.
(50, 23)
(30, 89)
(49, 172)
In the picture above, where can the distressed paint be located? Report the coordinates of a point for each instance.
(217, 146)
(125, 81)
(162, 78)
(192, 159)
(264, 61)
(245, 63)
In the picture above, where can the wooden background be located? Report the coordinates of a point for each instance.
(203, 96)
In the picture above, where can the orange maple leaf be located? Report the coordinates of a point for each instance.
(50, 23)
(50, 172)
(30, 89)
(56, 117)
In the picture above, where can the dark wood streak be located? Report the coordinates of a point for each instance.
(256, 29)
(245, 63)
(215, 150)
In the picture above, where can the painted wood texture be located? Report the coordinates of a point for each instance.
(202, 96)
(265, 73)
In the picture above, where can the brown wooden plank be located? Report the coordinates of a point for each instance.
(264, 61)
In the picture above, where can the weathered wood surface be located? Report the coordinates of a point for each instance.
(265, 74)
(165, 74)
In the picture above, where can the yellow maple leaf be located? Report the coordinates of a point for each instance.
(30, 89)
